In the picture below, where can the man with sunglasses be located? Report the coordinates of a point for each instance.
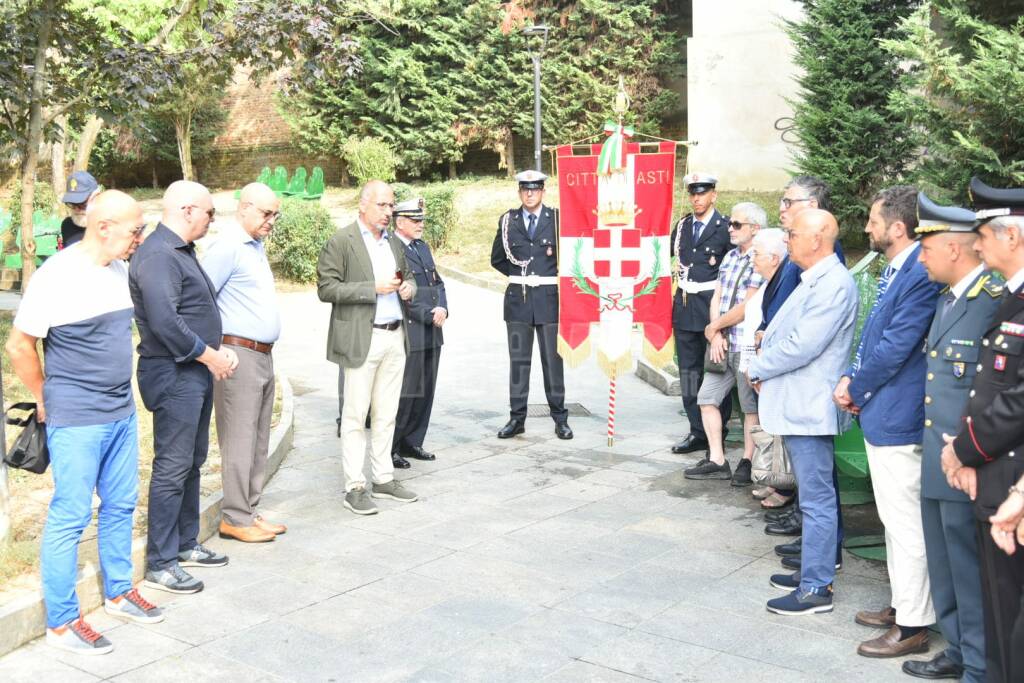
(699, 242)
(82, 189)
(240, 273)
(526, 250)
(180, 356)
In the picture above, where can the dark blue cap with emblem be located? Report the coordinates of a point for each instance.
(81, 185)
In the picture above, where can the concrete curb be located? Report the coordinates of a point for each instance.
(24, 618)
(657, 378)
(475, 280)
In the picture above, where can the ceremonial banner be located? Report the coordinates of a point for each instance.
(614, 268)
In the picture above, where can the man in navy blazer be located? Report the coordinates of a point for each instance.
(884, 386)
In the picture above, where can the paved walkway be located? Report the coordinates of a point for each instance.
(531, 559)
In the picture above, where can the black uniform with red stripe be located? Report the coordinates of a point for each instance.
(992, 440)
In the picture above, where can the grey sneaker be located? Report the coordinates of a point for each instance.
(358, 501)
(394, 491)
(201, 556)
(173, 579)
(133, 606)
(78, 637)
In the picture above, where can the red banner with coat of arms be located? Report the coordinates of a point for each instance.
(614, 264)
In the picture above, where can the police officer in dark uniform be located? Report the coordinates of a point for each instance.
(427, 312)
(526, 250)
(964, 310)
(699, 242)
(986, 458)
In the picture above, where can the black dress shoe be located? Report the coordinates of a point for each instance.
(791, 549)
(399, 462)
(691, 444)
(784, 528)
(511, 428)
(779, 515)
(793, 562)
(562, 430)
(940, 666)
(418, 453)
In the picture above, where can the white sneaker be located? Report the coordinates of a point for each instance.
(78, 637)
(133, 606)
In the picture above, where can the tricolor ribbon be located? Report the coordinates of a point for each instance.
(613, 151)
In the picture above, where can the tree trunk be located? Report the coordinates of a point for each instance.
(57, 157)
(32, 141)
(183, 134)
(344, 179)
(156, 179)
(510, 157)
(87, 141)
(453, 171)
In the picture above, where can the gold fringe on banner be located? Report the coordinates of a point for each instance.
(617, 366)
(573, 357)
(659, 358)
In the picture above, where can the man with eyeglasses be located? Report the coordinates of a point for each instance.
(426, 314)
(526, 250)
(364, 275)
(82, 189)
(180, 356)
(699, 242)
(240, 274)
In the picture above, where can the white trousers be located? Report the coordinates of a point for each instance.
(375, 385)
(896, 480)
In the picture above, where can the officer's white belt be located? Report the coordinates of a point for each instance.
(695, 287)
(533, 280)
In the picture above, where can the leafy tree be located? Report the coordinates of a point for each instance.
(846, 133)
(963, 97)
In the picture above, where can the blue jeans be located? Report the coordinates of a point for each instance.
(813, 459)
(104, 458)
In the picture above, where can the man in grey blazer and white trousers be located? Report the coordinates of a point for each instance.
(803, 353)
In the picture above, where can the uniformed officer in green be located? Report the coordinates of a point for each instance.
(986, 457)
(965, 308)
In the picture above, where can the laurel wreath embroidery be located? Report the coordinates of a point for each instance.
(580, 280)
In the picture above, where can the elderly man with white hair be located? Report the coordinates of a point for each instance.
(180, 356)
(737, 282)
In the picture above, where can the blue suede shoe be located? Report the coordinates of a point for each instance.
(787, 582)
(800, 602)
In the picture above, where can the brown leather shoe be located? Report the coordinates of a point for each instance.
(883, 618)
(890, 645)
(246, 534)
(276, 529)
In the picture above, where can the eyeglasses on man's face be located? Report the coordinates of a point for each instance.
(787, 203)
(736, 225)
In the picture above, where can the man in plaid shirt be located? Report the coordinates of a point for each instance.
(737, 282)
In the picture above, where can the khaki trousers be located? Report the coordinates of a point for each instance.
(243, 404)
(375, 385)
(896, 480)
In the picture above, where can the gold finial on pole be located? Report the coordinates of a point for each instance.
(622, 101)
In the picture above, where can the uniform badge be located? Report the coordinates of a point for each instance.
(1013, 329)
(550, 252)
(712, 261)
(1000, 363)
(949, 350)
(959, 369)
(1000, 339)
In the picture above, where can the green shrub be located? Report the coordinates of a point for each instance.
(369, 159)
(299, 235)
(45, 200)
(441, 215)
(402, 191)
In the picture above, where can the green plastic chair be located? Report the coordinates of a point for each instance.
(279, 182)
(315, 186)
(297, 186)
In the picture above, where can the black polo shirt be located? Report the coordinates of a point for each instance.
(175, 303)
(70, 233)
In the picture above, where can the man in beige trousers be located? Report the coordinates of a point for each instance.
(364, 276)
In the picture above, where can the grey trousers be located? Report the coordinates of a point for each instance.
(243, 404)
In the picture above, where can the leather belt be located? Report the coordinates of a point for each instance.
(533, 280)
(390, 327)
(695, 287)
(247, 343)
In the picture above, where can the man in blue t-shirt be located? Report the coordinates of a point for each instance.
(85, 398)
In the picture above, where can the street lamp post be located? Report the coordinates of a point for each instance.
(542, 31)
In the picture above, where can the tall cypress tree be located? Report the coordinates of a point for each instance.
(847, 134)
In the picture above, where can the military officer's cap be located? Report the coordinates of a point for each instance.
(531, 180)
(991, 202)
(410, 208)
(933, 218)
(699, 183)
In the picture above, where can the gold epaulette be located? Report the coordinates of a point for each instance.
(987, 284)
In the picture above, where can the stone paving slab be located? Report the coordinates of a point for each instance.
(523, 560)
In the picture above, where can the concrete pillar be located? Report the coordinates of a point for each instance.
(739, 74)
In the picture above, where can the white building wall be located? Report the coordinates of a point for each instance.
(739, 72)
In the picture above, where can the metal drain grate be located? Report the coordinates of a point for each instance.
(542, 410)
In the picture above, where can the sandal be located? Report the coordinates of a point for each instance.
(762, 492)
(776, 501)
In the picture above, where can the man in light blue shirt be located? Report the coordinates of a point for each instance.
(240, 274)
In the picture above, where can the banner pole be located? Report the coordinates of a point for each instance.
(611, 409)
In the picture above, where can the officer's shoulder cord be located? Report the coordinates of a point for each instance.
(504, 242)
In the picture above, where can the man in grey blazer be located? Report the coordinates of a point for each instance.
(803, 353)
(364, 276)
